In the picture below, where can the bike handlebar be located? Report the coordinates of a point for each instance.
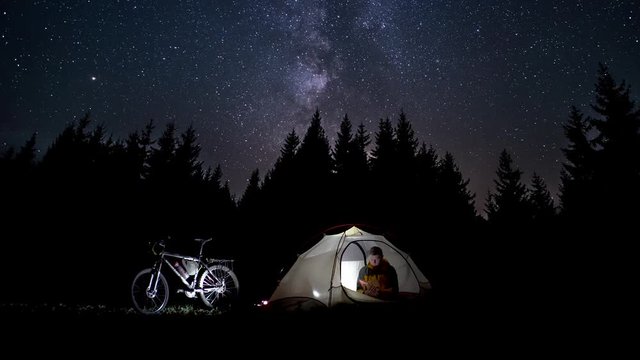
(158, 246)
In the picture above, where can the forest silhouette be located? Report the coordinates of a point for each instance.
(77, 222)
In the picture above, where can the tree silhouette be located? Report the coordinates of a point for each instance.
(405, 184)
(314, 170)
(283, 169)
(276, 209)
(351, 168)
(619, 134)
(508, 206)
(543, 209)
(290, 148)
(384, 152)
(406, 144)
(427, 173)
(314, 152)
(222, 206)
(161, 161)
(455, 202)
(160, 188)
(618, 144)
(345, 184)
(360, 159)
(216, 177)
(383, 166)
(187, 157)
(25, 158)
(343, 147)
(18, 166)
(251, 196)
(577, 172)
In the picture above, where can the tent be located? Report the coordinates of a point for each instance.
(326, 274)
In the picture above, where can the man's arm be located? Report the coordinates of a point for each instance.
(392, 290)
(362, 285)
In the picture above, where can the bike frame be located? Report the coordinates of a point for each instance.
(164, 257)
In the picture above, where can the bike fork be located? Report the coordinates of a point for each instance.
(152, 289)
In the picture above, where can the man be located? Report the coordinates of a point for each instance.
(378, 278)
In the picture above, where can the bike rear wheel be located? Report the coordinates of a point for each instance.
(219, 286)
(146, 300)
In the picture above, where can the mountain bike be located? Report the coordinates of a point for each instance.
(212, 279)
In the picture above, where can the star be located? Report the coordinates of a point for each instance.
(264, 67)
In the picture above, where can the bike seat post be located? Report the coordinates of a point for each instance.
(202, 242)
(201, 249)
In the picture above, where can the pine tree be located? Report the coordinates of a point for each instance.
(138, 149)
(216, 178)
(383, 176)
(405, 180)
(25, 158)
(427, 178)
(283, 170)
(619, 129)
(618, 143)
(228, 200)
(251, 195)
(455, 202)
(187, 164)
(508, 206)
(290, 147)
(541, 201)
(313, 171)
(62, 151)
(577, 172)
(343, 148)
(361, 141)
(427, 162)
(162, 158)
(406, 143)
(314, 152)
(16, 167)
(384, 153)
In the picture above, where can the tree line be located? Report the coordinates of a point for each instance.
(92, 203)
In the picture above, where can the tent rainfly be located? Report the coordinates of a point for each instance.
(326, 275)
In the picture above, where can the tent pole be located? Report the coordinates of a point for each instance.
(333, 269)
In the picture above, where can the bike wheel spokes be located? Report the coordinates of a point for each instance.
(219, 286)
(147, 298)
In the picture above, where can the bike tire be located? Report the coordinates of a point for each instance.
(142, 302)
(219, 286)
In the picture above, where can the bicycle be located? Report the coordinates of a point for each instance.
(212, 279)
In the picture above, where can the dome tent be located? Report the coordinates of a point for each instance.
(326, 274)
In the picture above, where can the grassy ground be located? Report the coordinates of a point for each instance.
(435, 327)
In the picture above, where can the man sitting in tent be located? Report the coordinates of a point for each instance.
(378, 278)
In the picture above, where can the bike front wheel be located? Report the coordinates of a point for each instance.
(147, 298)
(219, 286)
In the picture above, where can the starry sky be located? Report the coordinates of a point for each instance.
(473, 77)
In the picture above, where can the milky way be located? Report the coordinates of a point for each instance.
(474, 77)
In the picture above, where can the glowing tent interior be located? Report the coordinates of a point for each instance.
(326, 274)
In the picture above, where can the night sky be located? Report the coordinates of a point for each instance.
(473, 77)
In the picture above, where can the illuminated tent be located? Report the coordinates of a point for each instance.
(326, 275)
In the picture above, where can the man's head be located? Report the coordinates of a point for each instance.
(375, 256)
